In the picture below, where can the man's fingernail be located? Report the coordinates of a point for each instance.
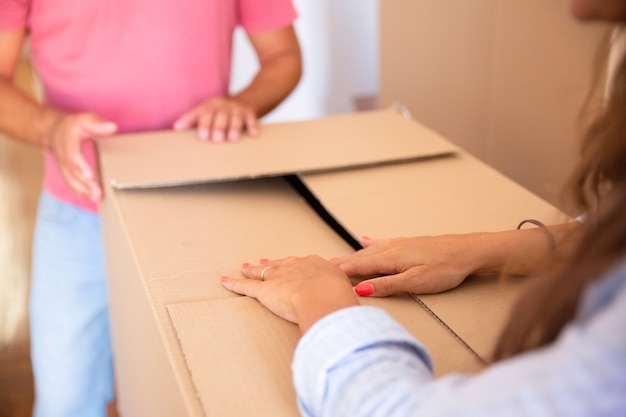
(364, 289)
(218, 135)
(264, 261)
(224, 278)
(366, 238)
(95, 195)
(233, 135)
(245, 265)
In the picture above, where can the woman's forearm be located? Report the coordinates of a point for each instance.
(523, 251)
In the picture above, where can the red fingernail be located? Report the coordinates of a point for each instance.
(364, 289)
(245, 265)
(366, 238)
(224, 279)
(264, 261)
(333, 259)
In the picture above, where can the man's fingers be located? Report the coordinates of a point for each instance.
(235, 126)
(79, 175)
(76, 183)
(86, 188)
(95, 126)
(251, 123)
(186, 121)
(80, 167)
(219, 125)
(204, 121)
(219, 120)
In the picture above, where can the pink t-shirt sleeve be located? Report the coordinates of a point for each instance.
(13, 14)
(264, 15)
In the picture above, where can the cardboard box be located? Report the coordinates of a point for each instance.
(185, 346)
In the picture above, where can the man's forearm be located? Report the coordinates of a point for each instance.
(21, 117)
(273, 83)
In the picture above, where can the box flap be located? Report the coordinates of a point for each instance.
(168, 158)
(239, 356)
(214, 228)
(478, 310)
(239, 353)
(458, 194)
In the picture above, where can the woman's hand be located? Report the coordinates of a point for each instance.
(431, 264)
(419, 265)
(66, 136)
(220, 119)
(301, 290)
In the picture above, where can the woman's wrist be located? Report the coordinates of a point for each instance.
(514, 251)
(311, 306)
(486, 251)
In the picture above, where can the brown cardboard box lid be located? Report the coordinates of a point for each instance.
(169, 158)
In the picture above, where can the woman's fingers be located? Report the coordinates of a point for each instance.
(248, 287)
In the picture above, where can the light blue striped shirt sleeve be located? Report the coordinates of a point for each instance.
(360, 362)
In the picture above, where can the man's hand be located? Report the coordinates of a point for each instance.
(66, 138)
(220, 119)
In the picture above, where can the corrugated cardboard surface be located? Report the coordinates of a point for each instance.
(478, 310)
(239, 355)
(250, 351)
(456, 194)
(337, 142)
(179, 336)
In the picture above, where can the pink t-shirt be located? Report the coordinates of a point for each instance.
(138, 63)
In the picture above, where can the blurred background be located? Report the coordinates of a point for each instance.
(20, 183)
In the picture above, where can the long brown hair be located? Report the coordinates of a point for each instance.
(598, 188)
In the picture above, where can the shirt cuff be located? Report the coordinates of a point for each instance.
(338, 335)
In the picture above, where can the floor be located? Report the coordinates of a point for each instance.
(20, 185)
(16, 384)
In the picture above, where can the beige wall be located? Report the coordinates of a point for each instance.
(503, 79)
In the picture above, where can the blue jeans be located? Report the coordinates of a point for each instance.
(69, 322)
